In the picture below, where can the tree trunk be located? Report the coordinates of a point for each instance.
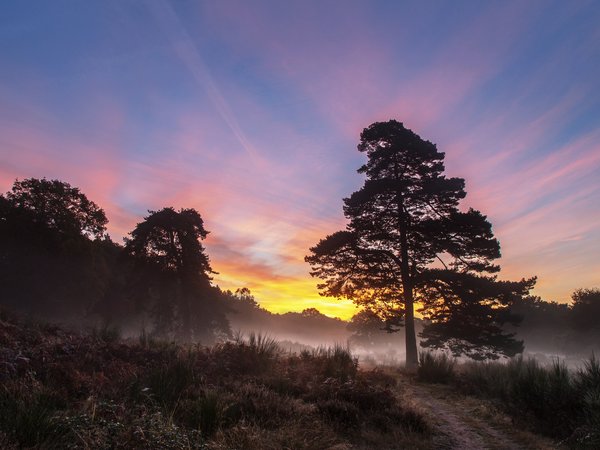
(184, 312)
(412, 358)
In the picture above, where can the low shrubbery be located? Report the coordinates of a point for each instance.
(553, 400)
(66, 390)
(435, 367)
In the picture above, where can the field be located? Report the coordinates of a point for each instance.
(67, 390)
(63, 389)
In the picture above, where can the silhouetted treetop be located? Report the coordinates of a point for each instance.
(58, 206)
(176, 272)
(171, 239)
(586, 309)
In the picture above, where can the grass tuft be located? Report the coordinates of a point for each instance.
(435, 367)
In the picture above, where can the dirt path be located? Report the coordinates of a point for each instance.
(467, 423)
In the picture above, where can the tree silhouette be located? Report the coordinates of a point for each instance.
(174, 264)
(403, 219)
(58, 206)
(586, 309)
(467, 313)
(48, 261)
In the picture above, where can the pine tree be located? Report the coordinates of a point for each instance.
(173, 263)
(405, 218)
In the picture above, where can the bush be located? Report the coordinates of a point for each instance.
(203, 413)
(167, 382)
(587, 385)
(29, 418)
(435, 368)
(340, 413)
(336, 362)
(253, 356)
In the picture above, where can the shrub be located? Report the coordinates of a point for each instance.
(435, 368)
(203, 413)
(336, 362)
(168, 381)
(587, 385)
(241, 357)
(29, 418)
(252, 403)
(340, 413)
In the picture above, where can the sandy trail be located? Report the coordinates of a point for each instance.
(467, 423)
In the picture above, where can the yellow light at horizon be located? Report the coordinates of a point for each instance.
(289, 295)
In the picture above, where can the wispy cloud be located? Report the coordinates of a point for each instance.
(186, 49)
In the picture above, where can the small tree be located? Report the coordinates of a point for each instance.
(177, 270)
(404, 218)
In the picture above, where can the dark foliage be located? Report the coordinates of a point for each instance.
(552, 400)
(51, 243)
(435, 368)
(586, 310)
(172, 263)
(67, 390)
(405, 217)
(468, 313)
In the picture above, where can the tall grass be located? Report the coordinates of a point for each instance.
(553, 400)
(263, 345)
(435, 367)
(29, 418)
(587, 385)
(167, 382)
(336, 362)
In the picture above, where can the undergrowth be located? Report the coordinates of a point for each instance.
(553, 400)
(435, 368)
(66, 390)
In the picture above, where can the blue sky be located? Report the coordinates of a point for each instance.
(250, 112)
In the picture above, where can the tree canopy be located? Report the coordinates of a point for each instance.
(58, 206)
(405, 218)
(586, 309)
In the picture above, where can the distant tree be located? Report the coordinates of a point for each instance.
(311, 312)
(546, 325)
(403, 219)
(585, 310)
(366, 328)
(48, 261)
(245, 296)
(177, 271)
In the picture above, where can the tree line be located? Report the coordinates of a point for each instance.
(57, 261)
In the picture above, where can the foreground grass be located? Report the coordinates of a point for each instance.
(553, 400)
(65, 390)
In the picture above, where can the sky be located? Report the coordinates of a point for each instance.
(250, 112)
